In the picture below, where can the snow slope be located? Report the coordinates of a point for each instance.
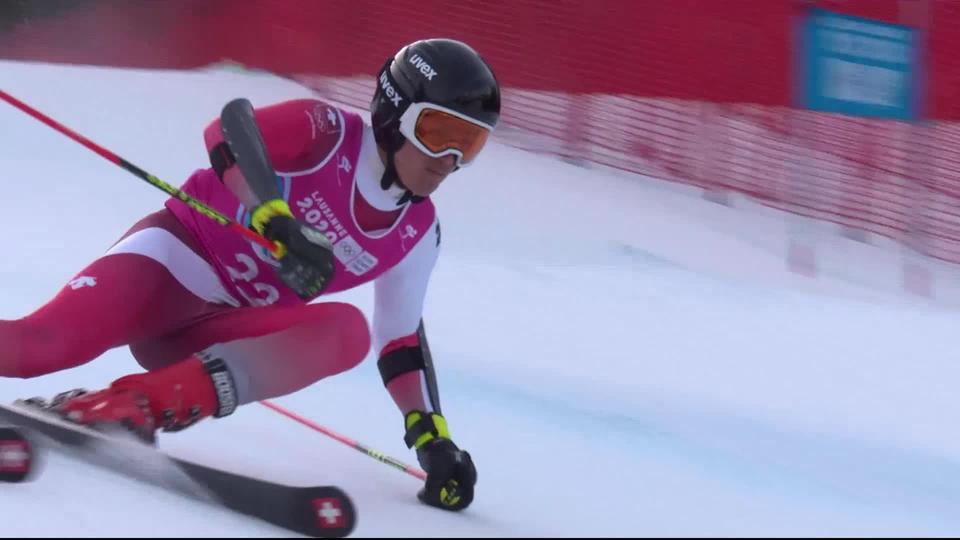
(621, 357)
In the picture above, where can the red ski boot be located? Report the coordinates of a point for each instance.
(168, 399)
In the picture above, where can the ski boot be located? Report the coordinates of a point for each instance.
(169, 399)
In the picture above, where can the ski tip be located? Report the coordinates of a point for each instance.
(328, 513)
(17, 458)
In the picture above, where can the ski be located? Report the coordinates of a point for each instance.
(317, 511)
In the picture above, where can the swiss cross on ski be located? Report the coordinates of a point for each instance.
(16, 455)
(329, 513)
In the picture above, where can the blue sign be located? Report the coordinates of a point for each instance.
(860, 67)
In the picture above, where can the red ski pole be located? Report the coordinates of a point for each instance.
(137, 171)
(379, 456)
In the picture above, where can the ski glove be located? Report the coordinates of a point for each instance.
(306, 254)
(451, 474)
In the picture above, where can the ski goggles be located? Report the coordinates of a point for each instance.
(438, 131)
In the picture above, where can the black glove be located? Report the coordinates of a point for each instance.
(307, 264)
(451, 474)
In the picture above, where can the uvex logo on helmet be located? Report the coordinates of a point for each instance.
(423, 66)
(389, 90)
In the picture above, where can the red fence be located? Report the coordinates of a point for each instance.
(694, 91)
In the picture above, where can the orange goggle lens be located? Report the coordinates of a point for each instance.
(439, 131)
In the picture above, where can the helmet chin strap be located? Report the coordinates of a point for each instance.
(390, 177)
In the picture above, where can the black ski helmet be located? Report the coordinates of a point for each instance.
(443, 72)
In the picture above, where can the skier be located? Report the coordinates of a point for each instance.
(218, 321)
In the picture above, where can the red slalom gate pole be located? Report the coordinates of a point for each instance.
(379, 456)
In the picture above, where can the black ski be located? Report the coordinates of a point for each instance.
(319, 511)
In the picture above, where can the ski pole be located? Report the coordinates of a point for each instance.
(137, 171)
(379, 456)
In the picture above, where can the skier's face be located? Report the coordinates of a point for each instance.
(421, 173)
